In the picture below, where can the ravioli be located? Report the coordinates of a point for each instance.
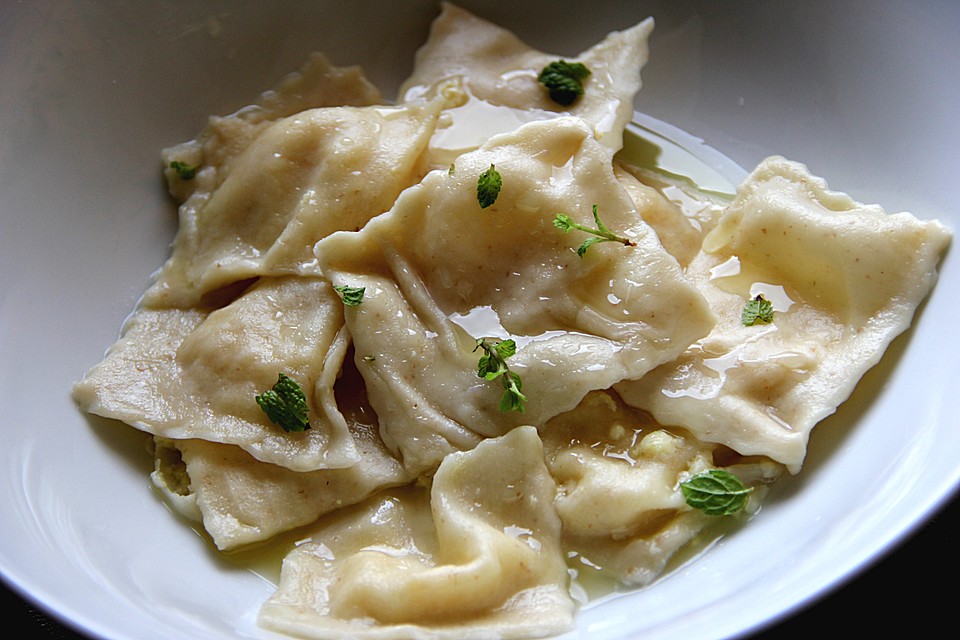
(437, 260)
(618, 475)
(676, 232)
(844, 278)
(194, 374)
(240, 500)
(213, 152)
(480, 558)
(344, 242)
(317, 84)
(300, 179)
(499, 73)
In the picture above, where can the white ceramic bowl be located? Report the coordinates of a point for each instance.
(861, 91)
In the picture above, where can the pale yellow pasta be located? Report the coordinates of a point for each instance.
(300, 179)
(844, 279)
(342, 243)
(481, 559)
(499, 70)
(437, 264)
(192, 374)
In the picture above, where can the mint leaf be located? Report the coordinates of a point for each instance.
(564, 81)
(716, 492)
(285, 405)
(488, 187)
(564, 222)
(352, 296)
(512, 398)
(184, 170)
(756, 310)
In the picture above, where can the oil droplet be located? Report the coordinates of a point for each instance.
(726, 269)
(774, 293)
(475, 121)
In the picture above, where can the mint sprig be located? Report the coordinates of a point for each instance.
(601, 234)
(493, 365)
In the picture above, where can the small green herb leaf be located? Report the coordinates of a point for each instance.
(352, 296)
(586, 244)
(564, 80)
(512, 398)
(716, 492)
(565, 223)
(758, 309)
(285, 405)
(184, 170)
(488, 187)
(493, 365)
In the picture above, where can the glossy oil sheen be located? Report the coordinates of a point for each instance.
(91, 91)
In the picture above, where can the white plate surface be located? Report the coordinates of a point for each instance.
(91, 91)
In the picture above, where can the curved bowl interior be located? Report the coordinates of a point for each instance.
(93, 91)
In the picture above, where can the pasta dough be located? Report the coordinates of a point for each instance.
(852, 276)
(581, 323)
(300, 179)
(618, 474)
(489, 566)
(499, 73)
(241, 500)
(342, 242)
(192, 374)
(316, 84)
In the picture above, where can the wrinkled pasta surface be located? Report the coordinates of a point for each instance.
(422, 505)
